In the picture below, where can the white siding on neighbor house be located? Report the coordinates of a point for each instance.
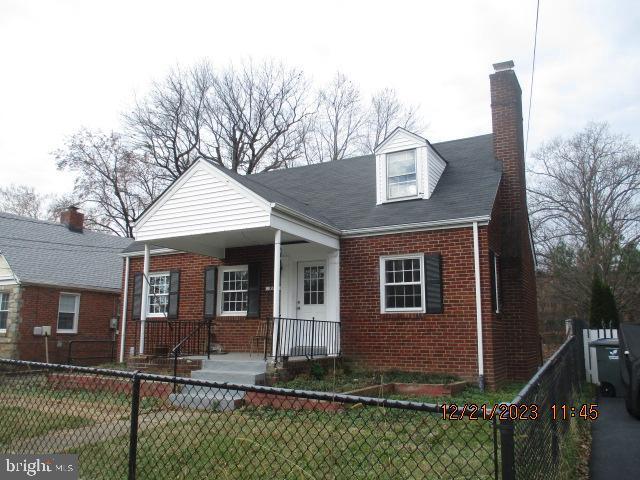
(204, 202)
(436, 166)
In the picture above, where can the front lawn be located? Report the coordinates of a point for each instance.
(259, 443)
(19, 422)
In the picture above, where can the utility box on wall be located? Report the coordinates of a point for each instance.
(43, 331)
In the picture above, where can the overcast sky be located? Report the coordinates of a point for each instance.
(67, 64)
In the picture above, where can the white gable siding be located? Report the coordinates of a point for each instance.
(204, 202)
(401, 140)
(435, 166)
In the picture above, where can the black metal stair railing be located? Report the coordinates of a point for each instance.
(296, 337)
(186, 345)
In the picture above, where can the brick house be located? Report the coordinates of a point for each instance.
(60, 276)
(417, 257)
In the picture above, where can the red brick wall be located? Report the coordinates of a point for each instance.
(233, 333)
(40, 307)
(444, 343)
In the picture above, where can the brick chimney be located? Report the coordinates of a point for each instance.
(72, 219)
(522, 352)
(508, 146)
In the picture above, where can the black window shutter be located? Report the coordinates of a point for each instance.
(433, 285)
(253, 302)
(174, 289)
(137, 296)
(210, 277)
(492, 268)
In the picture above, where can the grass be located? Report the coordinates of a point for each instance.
(36, 387)
(575, 447)
(258, 442)
(19, 422)
(346, 379)
(255, 443)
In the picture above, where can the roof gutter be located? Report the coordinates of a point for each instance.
(434, 225)
(156, 251)
(89, 288)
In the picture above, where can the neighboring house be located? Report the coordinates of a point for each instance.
(421, 254)
(61, 276)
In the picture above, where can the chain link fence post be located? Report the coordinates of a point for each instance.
(133, 433)
(507, 450)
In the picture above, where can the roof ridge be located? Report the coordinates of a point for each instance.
(463, 138)
(319, 164)
(22, 218)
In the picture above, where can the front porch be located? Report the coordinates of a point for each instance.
(231, 298)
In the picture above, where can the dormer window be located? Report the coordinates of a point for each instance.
(407, 167)
(402, 178)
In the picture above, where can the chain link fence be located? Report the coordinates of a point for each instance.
(134, 425)
(533, 434)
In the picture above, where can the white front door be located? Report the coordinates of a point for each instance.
(311, 291)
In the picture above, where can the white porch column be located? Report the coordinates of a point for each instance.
(277, 253)
(145, 296)
(125, 297)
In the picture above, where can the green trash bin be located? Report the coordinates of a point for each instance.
(608, 355)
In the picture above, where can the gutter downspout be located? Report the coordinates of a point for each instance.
(476, 264)
(123, 328)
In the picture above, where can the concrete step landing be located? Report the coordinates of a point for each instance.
(232, 368)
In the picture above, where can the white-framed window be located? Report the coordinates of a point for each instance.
(68, 312)
(4, 311)
(233, 290)
(402, 174)
(402, 286)
(158, 294)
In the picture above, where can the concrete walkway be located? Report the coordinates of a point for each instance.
(69, 439)
(615, 452)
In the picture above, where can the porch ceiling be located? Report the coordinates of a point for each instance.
(214, 244)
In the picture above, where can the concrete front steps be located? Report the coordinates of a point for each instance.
(229, 368)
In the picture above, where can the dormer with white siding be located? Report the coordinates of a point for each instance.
(407, 167)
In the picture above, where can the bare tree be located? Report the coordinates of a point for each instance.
(335, 131)
(113, 183)
(241, 118)
(385, 113)
(22, 200)
(166, 125)
(254, 116)
(585, 198)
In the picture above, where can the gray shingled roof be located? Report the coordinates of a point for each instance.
(49, 253)
(343, 193)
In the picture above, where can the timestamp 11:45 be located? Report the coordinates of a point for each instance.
(565, 412)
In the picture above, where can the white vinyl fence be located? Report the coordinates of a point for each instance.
(590, 360)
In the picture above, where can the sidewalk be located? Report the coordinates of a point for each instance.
(615, 452)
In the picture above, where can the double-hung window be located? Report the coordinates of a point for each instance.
(402, 286)
(68, 311)
(4, 311)
(158, 294)
(234, 290)
(402, 178)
